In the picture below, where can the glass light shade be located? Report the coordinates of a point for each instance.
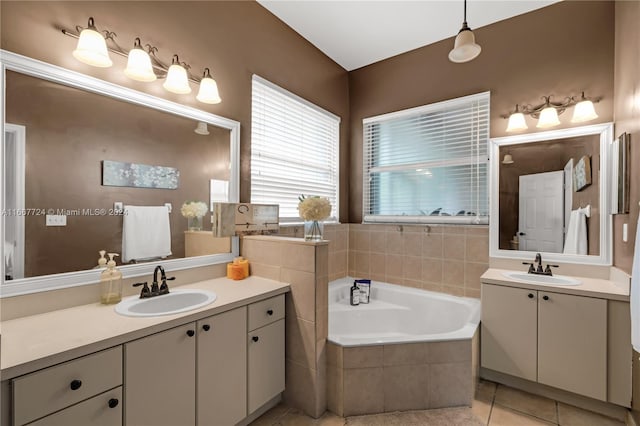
(208, 92)
(516, 122)
(584, 111)
(139, 66)
(92, 49)
(177, 80)
(548, 118)
(508, 159)
(465, 48)
(202, 128)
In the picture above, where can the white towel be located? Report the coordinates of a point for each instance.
(635, 293)
(145, 233)
(8, 257)
(576, 239)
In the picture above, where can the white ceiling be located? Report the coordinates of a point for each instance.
(355, 33)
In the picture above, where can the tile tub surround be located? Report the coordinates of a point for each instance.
(414, 376)
(303, 265)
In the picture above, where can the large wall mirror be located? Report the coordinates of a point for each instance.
(79, 147)
(550, 194)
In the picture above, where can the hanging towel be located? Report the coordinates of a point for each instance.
(635, 293)
(576, 239)
(145, 233)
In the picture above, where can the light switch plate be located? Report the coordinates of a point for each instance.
(625, 232)
(56, 220)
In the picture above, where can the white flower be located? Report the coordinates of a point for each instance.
(193, 209)
(314, 208)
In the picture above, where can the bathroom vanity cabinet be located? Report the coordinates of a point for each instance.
(555, 339)
(209, 370)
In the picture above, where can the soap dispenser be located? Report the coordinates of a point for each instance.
(111, 282)
(102, 261)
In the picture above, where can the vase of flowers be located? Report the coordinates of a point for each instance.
(194, 211)
(313, 210)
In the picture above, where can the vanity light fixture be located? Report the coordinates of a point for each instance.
(142, 65)
(92, 47)
(547, 112)
(465, 48)
(508, 159)
(177, 80)
(139, 64)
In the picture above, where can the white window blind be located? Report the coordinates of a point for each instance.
(428, 164)
(294, 150)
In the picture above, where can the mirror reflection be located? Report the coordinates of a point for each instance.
(59, 209)
(549, 196)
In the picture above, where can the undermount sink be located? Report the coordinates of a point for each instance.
(167, 304)
(541, 279)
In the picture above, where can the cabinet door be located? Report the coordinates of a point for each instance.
(509, 330)
(222, 368)
(101, 410)
(572, 343)
(160, 378)
(266, 364)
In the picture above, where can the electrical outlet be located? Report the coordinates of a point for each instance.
(56, 220)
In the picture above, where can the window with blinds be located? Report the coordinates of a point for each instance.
(428, 164)
(294, 150)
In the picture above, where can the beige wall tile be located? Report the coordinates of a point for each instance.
(299, 257)
(432, 287)
(378, 264)
(303, 292)
(482, 230)
(453, 230)
(394, 267)
(470, 292)
(334, 390)
(322, 323)
(363, 391)
(410, 283)
(432, 246)
(334, 355)
(412, 268)
(405, 387)
(472, 273)
(378, 242)
(405, 354)
(394, 242)
(362, 264)
(453, 291)
(322, 260)
(525, 402)
(362, 240)
(412, 243)
(362, 356)
(338, 263)
(342, 239)
(352, 263)
(450, 385)
(453, 273)
(453, 351)
(352, 238)
(432, 271)
(477, 249)
(267, 271)
(300, 387)
(453, 246)
(265, 252)
(300, 341)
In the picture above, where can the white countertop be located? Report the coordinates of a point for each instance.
(38, 341)
(592, 287)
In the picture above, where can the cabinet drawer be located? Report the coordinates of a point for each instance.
(265, 312)
(37, 394)
(102, 410)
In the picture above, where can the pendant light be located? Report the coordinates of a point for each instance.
(177, 80)
(465, 48)
(517, 121)
(584, 111)
(92, 47)
(202, 128)
(139, 64)
(208, 92)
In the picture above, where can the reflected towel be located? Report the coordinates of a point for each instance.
(635, 293)
(576, 240)
(145, 233)
(8, 257)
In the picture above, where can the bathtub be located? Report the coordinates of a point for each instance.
(410, 349)
(398, 314)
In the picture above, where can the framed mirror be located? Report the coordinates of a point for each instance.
(620, 174)
(76, 149)
(550, 194)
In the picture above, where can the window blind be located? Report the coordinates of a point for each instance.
(428, 164)
(294, 150)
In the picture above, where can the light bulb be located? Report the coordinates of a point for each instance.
(177, 80)
(139, 64)
(92, 47)
(208, 92)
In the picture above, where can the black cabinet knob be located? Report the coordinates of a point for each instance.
(113, 403)
(206, 327)
(75, 384)
(191, 333)
(255, 338)
(545, 297)
(530, 295)
(270, 312)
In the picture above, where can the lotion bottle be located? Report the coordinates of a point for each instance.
(354, 298)
(111, 283)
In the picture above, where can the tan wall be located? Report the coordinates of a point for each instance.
(560, 50)
(627, 117)
(69, 133)
(234, 38)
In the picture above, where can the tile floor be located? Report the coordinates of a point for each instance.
(494, 405)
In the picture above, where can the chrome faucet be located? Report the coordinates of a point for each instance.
(155, 289)
(539, 270)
